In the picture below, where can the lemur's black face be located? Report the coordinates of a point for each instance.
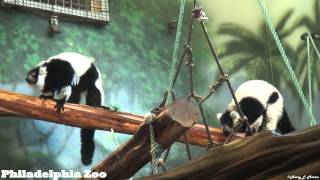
(37, 75)
(226, 123)
(228, 120)
(32, 76)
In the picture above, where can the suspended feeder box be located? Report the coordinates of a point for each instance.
(91, 11)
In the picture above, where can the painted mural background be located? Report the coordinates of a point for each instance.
(134, 53)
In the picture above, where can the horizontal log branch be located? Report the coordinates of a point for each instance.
(262, 156)
(19, 105)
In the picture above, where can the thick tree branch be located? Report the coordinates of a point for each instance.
(262, 156)
(19, 105)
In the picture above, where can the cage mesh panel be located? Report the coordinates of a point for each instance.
(97, 10)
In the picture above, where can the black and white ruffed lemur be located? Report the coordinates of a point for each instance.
(68, 77)
(263, 106)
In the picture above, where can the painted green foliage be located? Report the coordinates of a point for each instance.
(312, 25)
(129, 55)
(134, 51)
(257, 53)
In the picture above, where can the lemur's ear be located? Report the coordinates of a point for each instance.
(219, 115)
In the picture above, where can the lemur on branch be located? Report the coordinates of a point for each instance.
(68, 77)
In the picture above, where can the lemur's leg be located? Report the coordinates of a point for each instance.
(61, 96)
(93, 98)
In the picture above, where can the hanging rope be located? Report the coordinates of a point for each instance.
(314, 45)
(173, 71)
(114, 137)
(312, 123)
(286, 60)
(156, 149)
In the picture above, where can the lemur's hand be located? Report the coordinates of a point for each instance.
(59, 105)
(61, 96)
(43, 97)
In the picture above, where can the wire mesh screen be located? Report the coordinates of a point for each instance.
(97, 10)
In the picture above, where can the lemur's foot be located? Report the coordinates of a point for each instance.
(43, 97)
(111, 108)
(59, 106)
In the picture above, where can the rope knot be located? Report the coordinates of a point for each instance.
(148, 117)
(199, 14)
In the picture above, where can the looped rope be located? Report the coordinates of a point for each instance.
(156, 149)
(214, 87)
(286, 60)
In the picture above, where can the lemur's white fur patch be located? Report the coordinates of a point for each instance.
(41, 77)
(98, 84)
(79, 62)
(65, 92)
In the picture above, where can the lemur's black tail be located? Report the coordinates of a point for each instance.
(94, 98)
(87, 145)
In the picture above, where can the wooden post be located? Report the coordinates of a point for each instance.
(169, 125)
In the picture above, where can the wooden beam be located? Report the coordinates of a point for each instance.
(131, 156)
(19, 105)
(262, 156)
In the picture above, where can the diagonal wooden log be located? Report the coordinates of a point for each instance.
(19, 105)
(262, 156)
(131, 156)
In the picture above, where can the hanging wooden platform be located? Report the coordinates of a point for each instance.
(19, 105)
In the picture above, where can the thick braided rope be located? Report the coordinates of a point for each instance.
(156, 149)
(286, 61)
(175, 50)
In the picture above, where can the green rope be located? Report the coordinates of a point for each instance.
(286, 60)
(175, 50)
(309, 76)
